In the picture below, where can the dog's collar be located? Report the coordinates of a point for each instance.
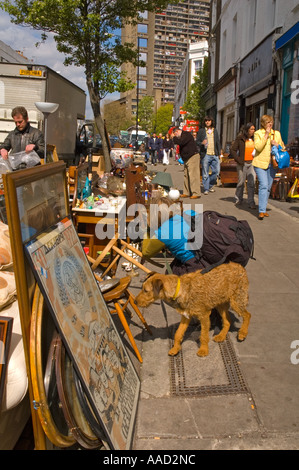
(177, 289)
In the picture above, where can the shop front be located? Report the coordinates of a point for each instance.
(257, 86)
(288, 48)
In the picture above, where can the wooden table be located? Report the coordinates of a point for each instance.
(103, 221)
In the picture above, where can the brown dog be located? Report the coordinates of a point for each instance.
(196, 294)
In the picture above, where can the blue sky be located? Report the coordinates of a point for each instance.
(24, 39)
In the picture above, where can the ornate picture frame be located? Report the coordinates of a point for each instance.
(92, 341)
(14, 182)
(6, 324)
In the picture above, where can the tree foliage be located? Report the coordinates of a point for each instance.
(194, 104)
(83, 31)
(116, 117)
(163, 119)
(146, 113)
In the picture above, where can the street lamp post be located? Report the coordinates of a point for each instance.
(46, 108)
(137, 94)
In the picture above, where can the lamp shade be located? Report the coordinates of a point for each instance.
(163, 179)
(45, 107)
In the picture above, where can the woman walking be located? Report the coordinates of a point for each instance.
(242, 150)
(167, 148)
(264, 139)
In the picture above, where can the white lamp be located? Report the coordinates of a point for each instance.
(46, 109)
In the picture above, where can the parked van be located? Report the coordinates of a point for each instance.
(141, 137)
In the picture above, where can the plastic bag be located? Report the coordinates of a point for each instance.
(22, 160)
(281, 156)
(5, 166)
(181, 162)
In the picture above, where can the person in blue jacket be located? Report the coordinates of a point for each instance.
(171, 230)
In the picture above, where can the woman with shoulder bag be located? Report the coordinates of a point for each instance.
(264, 139)
(243, 151)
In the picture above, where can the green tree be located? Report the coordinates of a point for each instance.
(194, 104)
(163, 119)
(146, 113)
(83, 31)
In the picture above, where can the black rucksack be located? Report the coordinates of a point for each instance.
(224, 239)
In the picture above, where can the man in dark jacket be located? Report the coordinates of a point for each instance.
(154, 145)
(191, 158)
(24, 137)
(209, 146)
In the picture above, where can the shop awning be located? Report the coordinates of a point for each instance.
(288, 36)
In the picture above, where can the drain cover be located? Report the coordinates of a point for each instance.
(217, 374)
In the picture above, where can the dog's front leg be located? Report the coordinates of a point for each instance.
(179, 335)
(204, 335)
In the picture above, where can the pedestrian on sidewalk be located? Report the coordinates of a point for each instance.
(160, 151)
(264, 139)
(191, 158)
(167, 148)
(243, 151)
(208, 143)
(154, 146)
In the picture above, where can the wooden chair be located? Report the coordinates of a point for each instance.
(120, 296)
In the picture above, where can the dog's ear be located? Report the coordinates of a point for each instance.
(157, 286)
(152, 273)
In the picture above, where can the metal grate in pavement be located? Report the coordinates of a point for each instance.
(217, 374)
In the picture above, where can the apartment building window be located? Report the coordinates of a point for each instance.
(253, 17)
(144, 15)
(234, 39)
(142, 28)
(142, 70)
(197, 65)
(143, 56)
(142, 42)
(223, 53)
(142, 84)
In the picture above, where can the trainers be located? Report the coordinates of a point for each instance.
(212, 190)
(206, 192)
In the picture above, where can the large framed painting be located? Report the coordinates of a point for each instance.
(33, 196)
(90, 337)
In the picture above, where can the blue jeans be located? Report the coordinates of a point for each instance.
(154, 154)
(265, 178)
(208, 161)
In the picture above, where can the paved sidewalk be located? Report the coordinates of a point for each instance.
(243, 395)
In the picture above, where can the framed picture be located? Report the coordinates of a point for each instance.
(87, 329)
(23, 221)
(5, 338)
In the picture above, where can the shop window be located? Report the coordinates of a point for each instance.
(230, 131)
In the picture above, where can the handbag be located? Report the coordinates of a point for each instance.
(281, 157)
